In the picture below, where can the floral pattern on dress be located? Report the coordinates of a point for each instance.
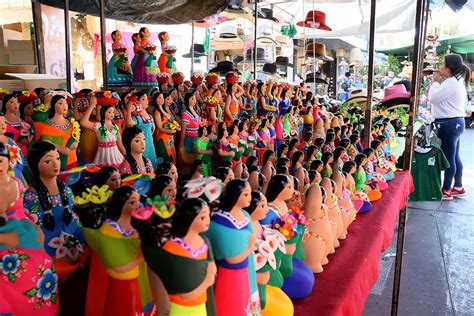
(45, 292)
(13, 264)
(66, 245)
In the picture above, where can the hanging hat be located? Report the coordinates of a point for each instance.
(178, 78)
(357, 97)
(267, 14)
(283, 61)
(261, 58)
(198, 51)
(228, 31)
(197, 78)
(397, 91)
(320, 78)
(271, 69)
(107, 98)
(318, 50)
(212, 78)
(356, 56)
(267, 40)
(223, 67)
(237, 59)
(25, 95)
(163, 77)
(316, 20)
(231, 77)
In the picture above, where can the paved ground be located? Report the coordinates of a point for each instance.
(438, 264)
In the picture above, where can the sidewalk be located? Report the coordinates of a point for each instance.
(438, 264)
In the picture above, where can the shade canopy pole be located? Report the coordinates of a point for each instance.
(103, 50)
(192, 48)
(67, 39)
(255, 42)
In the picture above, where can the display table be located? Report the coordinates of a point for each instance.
(344, 285)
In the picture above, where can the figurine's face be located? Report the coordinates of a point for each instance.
(174, 95)
(144, 101)
(287, 192)
(230, 177)
(138, 144)
(12, 105)
(114, 181)
(118, 36)
(132, 204)
(146, 33)
(192, 101)
(169, 100)
(173, 173)
(235, 87)
(261, 210)
(29, 110)
(4, 166)
(204, 131)
(160, 99)
(166, 37)
(50, 164)
(61, 107)
(3, 125)
(245, 197)
(109, 114)
(201, 222)
(170, 191)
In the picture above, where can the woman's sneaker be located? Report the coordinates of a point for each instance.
(458, 192)
(447, 196)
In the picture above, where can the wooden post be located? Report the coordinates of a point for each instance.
(192, 48)
(421, 21)
(67, 39)
(370, 81)
(39, 47)
(103, 49)
(255, 42)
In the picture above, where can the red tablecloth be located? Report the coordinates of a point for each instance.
(344, 285)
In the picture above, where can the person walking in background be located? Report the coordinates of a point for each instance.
(447, 97)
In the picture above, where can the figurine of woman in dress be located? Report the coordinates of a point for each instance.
(190, 121)
(118, 69)
(135, 162)
(106, 221)
(60, 131)
(48, 203)
(233, 242)
(146, 67)
(166, 126)
(29, 283)
(17, 129)
(17, 160)
(110, 148)
(138, 116)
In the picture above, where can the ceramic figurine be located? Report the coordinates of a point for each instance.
(334, 213)
(109, 176)
(57, 129)
(105, 217)
(344, 202)
(234, 90)
(233, 242)
(118, 68)
(166, 127)
(17, 160)
(110, 148)
(29, 283)
(360, 178)
(380, 161)
(138, 116)
(146, 67)
(373, 178)
(135, 162)
(169, 169)
(48, 204)
(360, 199)
(273, 300)
(214, 106)
(204, 148)
(320, 233)
(17, 129)
(190, 121)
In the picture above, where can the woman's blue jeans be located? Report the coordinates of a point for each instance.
(449, 131)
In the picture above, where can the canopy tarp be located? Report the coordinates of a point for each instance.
(459, 45)
(146, 11)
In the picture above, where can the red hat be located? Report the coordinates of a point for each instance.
(197, 78)
(394, 92)
(212, 78)
(107, 98)
(232, 77)
(163, 77)
(25, 95)
(178, 78)
(315, 19)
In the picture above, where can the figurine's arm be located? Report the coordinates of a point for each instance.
(208, 281)
(239, 258)
(85, 120)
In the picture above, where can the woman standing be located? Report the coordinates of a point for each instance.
(448, 96)
(146, 67)
(118, 69)
(190, 121)
(166, 126)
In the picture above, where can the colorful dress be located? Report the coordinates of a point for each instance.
(19, 131)
(64, 240)
(28, 281)
(205, 158)
(234, 111)
(146, 67)
(229, 238)
(108, 153)
(284, 106)
(147, 126)
(187, 151)
(118, 68)
(181, 270)
(165, 149)
(60, 135)
(125, 167)
(20, 164)
(125, 293)
(224, 145)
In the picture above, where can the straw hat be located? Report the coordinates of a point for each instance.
(317, 50)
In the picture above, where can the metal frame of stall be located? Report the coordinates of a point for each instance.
(422, 13)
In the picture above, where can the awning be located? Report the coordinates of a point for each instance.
(146, 11)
